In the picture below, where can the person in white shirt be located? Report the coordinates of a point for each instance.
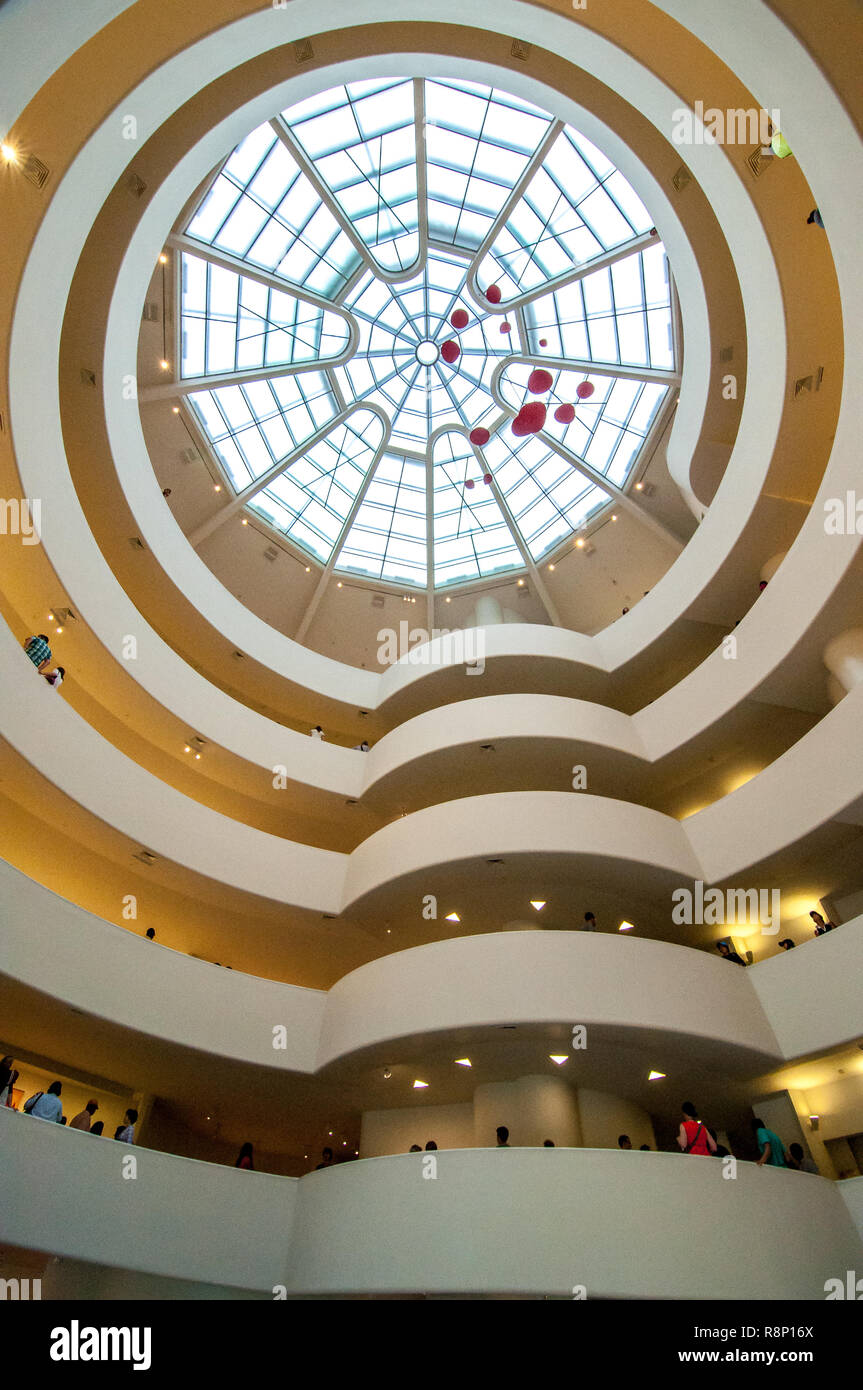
(126, 1133)
(317, 732)
(361, 747)
(55, 677)
(49, 1105)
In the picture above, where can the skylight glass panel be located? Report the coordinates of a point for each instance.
(286, 411)
(575, 206)
(230, 323)
(621, 313)
(546, 495)
(388, 537)
(269, 214)
(471, 536)
(478, 143)
(311, 500)
(364, 150)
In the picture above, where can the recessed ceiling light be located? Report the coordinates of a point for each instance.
(163, 259)
(245, 521)
(580, 543)
(551, 567)
(420, 1085)
(462, 1061)
(187, 749)
(330, 1133)
(639, 487)
(452, 917)
(614, 516)
(308, 569)
(626, 926)
(51, 617)
(449, 600)
(9, 152)
(176, 410)
(537, 905)
(217, 487)
(339, 585)
(164, 365)
(520, 583)
(387, 1073)
(58, 630)
(656, 1076)
(558, 1057)
(198, 757)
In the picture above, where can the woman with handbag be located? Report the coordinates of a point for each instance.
(694, 1136)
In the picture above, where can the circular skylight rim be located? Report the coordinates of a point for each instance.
(357, 485)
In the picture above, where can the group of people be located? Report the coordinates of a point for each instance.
(39, 651)
(728, 953)
(695, 1137)
(318, 733)
(47, 1105)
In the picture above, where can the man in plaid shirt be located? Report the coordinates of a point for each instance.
(38, 651)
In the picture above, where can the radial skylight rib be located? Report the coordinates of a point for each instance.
(311, 500)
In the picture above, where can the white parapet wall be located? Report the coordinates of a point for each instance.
(470, 1221)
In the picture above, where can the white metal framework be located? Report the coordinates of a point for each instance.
(319, 277)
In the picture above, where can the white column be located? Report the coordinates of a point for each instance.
(488, 611)
(843, 657)
(533, 1108)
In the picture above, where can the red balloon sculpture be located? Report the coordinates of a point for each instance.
(530, 419)
(469, 482)
(460, 319)
(565, 414)
(539, 382)
(486, 477)
(584, 389)
(450, 352)
(492, 294)
(505, 328)
(479, 436)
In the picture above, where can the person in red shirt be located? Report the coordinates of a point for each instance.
(694, 1136)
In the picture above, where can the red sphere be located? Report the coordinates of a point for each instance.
(469, 482)
(486, 477)
(479, 436)
(492, 294)
(565, 414)
(543, 342)
(539, 382)
(460, 318)
(450, 352)
(505, 328)
(584, 389)
(530, 419)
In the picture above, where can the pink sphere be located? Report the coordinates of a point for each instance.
(469, 482)
(479, 436)
(539, 382)
(505, 328)
(460, 319)
(565, 414)
(450, 352)
(584, 389)
(530, 419)
(492, 294)
(486, 477)
(543, 342)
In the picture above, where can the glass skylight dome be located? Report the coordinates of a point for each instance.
(339, 345)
